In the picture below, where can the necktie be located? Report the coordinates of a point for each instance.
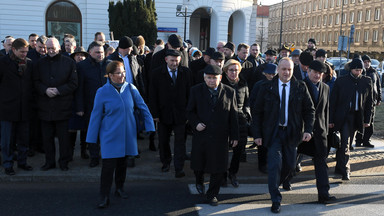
(282, 107)
(173, 76)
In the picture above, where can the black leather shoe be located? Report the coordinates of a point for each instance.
(298, 168)
(25, 167)
(346, 177)
(327, 199)
(165, 168)
(287, 186)
(200, 188)
(179, 174)
(212, 201)
(233, 179)
(9, 171)
(275, 207)
(369, 145)
(94, 162)
(351, 148)
(104, 202)
(358, 144)
(46, 167)
(121, 193)
(64, 167)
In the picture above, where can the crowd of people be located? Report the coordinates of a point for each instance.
(290, 102)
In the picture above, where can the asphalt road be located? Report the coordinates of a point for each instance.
(175, 198)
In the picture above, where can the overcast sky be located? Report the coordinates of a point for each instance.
(269, 2)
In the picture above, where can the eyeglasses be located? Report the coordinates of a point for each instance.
(120, 73)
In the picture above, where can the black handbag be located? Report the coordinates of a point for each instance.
(139, 117)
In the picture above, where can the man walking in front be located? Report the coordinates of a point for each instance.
(289, 121)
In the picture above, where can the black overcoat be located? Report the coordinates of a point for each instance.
(168, 101)
(341, 97)
(91, 77)
(210, 146)
(301, 112)
(59, 72)
(15, 90)
(318, 143)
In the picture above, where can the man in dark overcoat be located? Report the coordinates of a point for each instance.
(133, 70)
(300, 71)
(284, 117)
(91, 73)
(168, 98)
(365, 139)
(212, 114)
(351, 107)
(16, 86)
(317, 146)
(55, 80)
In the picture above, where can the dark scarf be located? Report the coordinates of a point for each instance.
(21, 64)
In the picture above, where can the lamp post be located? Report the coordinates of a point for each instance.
(281, 22)
(185, 14)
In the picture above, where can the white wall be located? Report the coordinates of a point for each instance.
(19, 18)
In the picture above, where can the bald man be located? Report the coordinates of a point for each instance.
(55, 80)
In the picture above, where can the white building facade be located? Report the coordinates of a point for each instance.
(207, 21)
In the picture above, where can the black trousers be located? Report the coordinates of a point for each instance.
(347, 132)
(238, 150)
(110, 166)
(262, 152)
(60, 129)
(214, 182)
(368, 131)
(14, 133)
(35, 137)
(179, 145)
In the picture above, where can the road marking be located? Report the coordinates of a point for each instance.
(291, 209)
(299, 189)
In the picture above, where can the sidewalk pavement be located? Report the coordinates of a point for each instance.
(364, 162)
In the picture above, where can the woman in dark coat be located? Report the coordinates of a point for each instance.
(231, 78)
(113, 123)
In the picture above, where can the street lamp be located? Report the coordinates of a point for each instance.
(185, 14)
(281, 22)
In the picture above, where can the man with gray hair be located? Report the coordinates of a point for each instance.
(70, 46)
(7, 44)
(55, 80)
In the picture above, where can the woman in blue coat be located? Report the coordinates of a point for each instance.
(113, 123)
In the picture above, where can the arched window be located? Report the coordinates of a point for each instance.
(63, 17)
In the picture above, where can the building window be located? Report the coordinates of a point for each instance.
(383, 36)
(377, 14)
(309, 6)
(314, 6)
(330, 37)
(345, 2)
(332, 4)
(351, 16)
(353, 1)
(325, 20)
(366, 36)
(368, 15)
(338, 3)
(375, 35)
(325, 4)
(63, 17)
(313, 21)
(337, 19)
(330, 19)
(344, 20)
(359, 16)
(336, 36)
(320, 4)
(324, 37)
(304, 8)
(357, 37)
